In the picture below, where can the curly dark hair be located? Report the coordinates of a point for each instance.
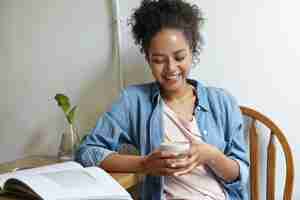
(154, 15)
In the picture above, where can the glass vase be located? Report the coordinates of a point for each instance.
(69, 141)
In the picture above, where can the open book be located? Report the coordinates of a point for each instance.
(63, 181)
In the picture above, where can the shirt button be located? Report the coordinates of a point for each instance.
(204, 132)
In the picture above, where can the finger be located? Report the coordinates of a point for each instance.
(161, 163)
(167, 171)
(163, 154)
(192, 158)
(163, 172)
(186, 171)
(169, 155)
(199, 157)
(157, 155)
(176, 163)
(180, 163)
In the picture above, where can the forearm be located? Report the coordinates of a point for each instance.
(123, 163)
(224, 167)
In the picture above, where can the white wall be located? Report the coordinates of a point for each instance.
(46, 47)
(135, 68)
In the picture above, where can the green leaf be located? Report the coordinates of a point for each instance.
(83, 139)
(63, 101)
(71, 115)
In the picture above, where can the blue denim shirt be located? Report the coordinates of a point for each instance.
(136, 118)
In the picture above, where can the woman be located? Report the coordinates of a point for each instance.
(172, 108)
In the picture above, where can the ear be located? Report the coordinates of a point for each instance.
(147, 58)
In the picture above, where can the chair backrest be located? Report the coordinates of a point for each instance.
(275, 132)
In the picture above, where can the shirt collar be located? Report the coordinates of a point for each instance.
(201, 93)
(155, 92)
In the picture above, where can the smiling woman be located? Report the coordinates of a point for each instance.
(174, 109)
(170, 58)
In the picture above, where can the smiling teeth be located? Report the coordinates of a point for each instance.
(173, 77)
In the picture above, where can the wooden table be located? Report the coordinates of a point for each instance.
(126, 180)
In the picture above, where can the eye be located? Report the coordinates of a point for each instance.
(158, 61)
(179, 59)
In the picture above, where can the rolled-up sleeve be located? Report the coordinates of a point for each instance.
(241, 157)
(92, 156)
(111, 130)
(237, 148)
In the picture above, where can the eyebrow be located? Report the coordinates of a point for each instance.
(176, 52)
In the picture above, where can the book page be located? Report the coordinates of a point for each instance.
(106, 184)
(75, 184)
(37, 170)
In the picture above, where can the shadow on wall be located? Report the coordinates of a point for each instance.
(93, 94)
(40, 139)
(96, 97)
(135, 68)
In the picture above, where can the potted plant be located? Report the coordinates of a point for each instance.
(69, 139)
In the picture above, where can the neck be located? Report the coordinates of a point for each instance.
(185, 92)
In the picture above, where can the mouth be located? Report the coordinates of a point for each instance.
(172, 77)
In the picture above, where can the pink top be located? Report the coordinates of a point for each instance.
(200, 183)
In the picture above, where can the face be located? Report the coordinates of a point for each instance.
(170, 59)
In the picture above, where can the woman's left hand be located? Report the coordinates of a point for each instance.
(199, 154)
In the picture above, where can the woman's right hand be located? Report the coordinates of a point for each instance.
(159, 163)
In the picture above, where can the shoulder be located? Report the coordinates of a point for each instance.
(217, 100)
(219, 96)
(223, 104)
(140, 92)
(132, 99)
(212, 97)
(140, 89)
(224, 108)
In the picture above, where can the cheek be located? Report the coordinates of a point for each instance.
(155, 72)
(188, 65)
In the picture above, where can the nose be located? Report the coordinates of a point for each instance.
(171, 65)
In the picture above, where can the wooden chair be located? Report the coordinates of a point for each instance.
(275, 132)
